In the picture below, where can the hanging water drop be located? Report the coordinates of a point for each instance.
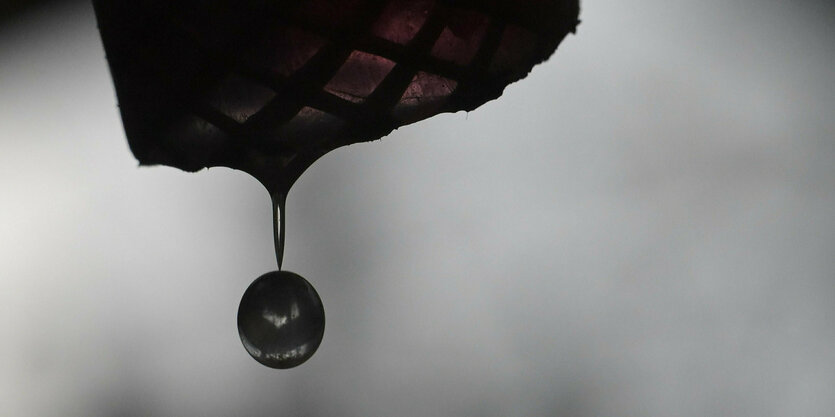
(281, 320)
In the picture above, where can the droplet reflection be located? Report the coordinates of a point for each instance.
(281, 320)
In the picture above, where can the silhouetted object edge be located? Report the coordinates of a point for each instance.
(169, 58)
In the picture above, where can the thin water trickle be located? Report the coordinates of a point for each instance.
(279, 207)
(281, 319)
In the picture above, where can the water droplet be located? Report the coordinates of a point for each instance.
(281, 320)
(279, 226)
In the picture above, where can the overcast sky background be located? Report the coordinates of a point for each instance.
(643, 227)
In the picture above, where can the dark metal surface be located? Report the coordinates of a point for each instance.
(268, 87)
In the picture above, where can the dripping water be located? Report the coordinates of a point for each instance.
(281, 319)
(279, 201)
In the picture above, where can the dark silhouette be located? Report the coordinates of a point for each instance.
(268, 87)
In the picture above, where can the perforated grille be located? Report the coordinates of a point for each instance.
(278, 83)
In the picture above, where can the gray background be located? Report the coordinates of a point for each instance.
(643, 227)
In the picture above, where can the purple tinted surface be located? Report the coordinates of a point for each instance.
(279, 84)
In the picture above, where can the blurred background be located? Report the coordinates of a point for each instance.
(643, 227)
